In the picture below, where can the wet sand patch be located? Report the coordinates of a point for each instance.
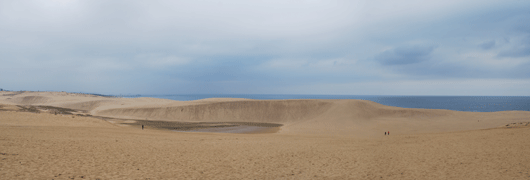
(242, 129)
(216, 127)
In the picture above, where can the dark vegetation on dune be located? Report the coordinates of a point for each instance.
(59, 110)
(32, 109)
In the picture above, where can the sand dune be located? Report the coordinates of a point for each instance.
(85, 105)
(28, 100)
(333, 117)
(282, 111)
(359, 118)
(50, 135)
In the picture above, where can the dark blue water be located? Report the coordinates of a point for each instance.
(458, 103)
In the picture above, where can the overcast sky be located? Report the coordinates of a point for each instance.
(376, 47)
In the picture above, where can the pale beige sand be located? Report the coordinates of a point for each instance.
(320, 139)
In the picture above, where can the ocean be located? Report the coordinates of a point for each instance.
(457, 103)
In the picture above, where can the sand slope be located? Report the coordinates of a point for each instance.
(358, 118)
(280, 111)
(71, 148)
(319, 139)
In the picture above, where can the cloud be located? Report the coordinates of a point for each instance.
(314, 64)
(239, 46)
(160, 60)
(405, 55)
(453, 87)
(521, 49)
(516, 52)
(487, 45)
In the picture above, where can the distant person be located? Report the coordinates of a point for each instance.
(388, 132)
(142, 127)
(385, 133)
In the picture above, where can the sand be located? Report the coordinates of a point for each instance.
(318, 139)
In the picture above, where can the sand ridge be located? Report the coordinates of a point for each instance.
(358, 118)
(318, 139)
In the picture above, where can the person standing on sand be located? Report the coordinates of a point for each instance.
(388, 132)
(142, 127)
(385, 133)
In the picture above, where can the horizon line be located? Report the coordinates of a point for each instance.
(228, 94)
